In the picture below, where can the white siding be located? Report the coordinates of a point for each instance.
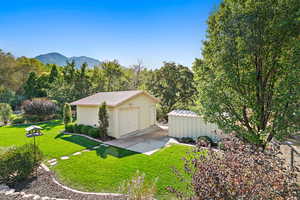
(140, 114)
(187, 126)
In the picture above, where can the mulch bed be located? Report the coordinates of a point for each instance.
(44, 186)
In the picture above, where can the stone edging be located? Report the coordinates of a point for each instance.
(77, 191)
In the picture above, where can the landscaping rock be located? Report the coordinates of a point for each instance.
(52, 160)
(9, 192)
(36, 197)
(53, 163)
(105, 145)
(4, 188)
(76, 154)
(64, 157)
(96, 147)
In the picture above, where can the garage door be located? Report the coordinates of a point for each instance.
(128, 120)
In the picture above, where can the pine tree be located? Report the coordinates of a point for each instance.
(53, 74)
(67, 114)
(103, 120)
(30, 85)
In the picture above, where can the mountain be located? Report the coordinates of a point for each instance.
(59, 59)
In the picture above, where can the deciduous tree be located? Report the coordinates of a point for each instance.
(248, 81)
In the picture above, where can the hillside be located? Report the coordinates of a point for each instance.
(59, 59)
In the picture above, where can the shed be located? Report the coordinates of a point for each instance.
(128, 111)
(185, 123)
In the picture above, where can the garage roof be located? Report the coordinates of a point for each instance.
(111, 98)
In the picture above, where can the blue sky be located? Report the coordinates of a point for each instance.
(126, 30)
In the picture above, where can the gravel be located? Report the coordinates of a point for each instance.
(45, 187)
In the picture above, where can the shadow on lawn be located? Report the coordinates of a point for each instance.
(102, 151)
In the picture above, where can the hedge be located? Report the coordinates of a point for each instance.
(83, 129)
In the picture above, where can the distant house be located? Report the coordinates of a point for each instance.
(128, 111)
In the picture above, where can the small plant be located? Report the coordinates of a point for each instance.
(67, 114)
(5, 112)
(138, 189)
(17, 163)
(103, 121)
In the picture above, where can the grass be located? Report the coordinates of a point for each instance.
(101, 170)
(52, 143)
(105, 169)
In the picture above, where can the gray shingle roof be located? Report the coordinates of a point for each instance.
(111, 98)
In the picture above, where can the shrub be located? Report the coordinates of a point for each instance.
(69, 128)
(138, 189)
(67, 114)
(187, 140)
(17, 163)
(93, 132)
(238, 171)
(103, 121)
(40, 108)
(18, 120)
(85, 129)
(5, 112)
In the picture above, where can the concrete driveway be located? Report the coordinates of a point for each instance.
(146, 142)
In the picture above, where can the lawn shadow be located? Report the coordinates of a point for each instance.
(103, 152)
(79, 140)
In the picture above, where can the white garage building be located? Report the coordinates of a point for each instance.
(185, 123)
(128, 111)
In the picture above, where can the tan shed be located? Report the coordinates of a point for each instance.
(128, 111)
(185, 123)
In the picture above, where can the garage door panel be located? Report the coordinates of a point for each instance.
(128, 120)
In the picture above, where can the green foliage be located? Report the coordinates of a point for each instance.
(5, 112)
(173, 84)
(20, 119)
(53, 74)
(248, 80)
(40, 109)
(17, 163)
(83, 129)
(138, 188)
(237, 171)
(103, 120)
(67, 114)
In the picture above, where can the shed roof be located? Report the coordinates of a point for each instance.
(183, 113)
(111, 98)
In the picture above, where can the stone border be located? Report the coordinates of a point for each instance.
(77, 191)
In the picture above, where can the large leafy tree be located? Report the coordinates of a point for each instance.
(113, 73)
(173, 84)
(248, 80)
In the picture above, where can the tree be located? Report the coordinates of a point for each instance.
(67, 114)
(236, 171)
(173, 84)
(113, 72)
(53, 74)
(5, 112)
(103, 120)
(248, 80)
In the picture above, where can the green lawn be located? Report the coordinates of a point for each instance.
(101, 170)
(51, 143)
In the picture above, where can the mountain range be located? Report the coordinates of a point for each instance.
(61, 60)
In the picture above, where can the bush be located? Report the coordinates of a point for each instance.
(187, 140)
(5, 112)
(17, 163)
(93, 132)
(18, 120)
(85, 129)
(69, 128)
(238, 171)
(40, 109)
(138, 188)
